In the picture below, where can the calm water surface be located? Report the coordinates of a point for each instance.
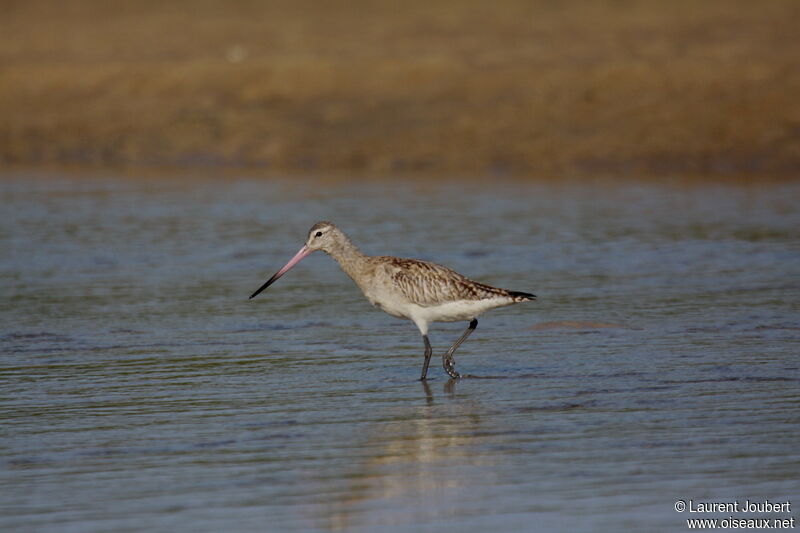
(142, 391)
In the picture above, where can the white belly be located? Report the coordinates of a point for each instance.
(459, 310)
(448, 312)
(391, 306)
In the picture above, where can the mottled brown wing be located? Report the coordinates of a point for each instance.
(429, 284)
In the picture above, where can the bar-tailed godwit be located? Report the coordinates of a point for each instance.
(420, 291)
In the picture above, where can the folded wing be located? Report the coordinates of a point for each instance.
(428, 284)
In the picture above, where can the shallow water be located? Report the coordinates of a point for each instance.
(142, 391)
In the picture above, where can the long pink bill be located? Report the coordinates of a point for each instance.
(304, 251)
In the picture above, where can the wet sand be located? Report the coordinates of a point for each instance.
(532, 89)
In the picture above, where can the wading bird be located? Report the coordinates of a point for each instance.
(420, 291)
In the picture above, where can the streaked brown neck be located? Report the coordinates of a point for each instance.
(349, 257)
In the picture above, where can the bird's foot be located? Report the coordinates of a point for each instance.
(450, 367)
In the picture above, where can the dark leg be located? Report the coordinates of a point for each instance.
(448, 362)
(428, 353)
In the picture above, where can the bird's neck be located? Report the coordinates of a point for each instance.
(349, 257)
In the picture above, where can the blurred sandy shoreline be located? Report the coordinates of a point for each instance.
(528, 89)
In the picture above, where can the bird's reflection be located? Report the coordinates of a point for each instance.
(427, 390)
(413, 456)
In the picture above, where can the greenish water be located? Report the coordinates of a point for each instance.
(142, 391)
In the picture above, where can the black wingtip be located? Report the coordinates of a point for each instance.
(522, 296)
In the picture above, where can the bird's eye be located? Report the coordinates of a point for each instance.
(318, 234)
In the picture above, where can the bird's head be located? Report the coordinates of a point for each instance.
(323, 236)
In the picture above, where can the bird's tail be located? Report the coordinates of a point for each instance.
(521, 296)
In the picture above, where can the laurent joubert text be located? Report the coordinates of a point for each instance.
(746, 520)
(735, 506)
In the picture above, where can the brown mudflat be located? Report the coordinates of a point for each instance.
(528, 88)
